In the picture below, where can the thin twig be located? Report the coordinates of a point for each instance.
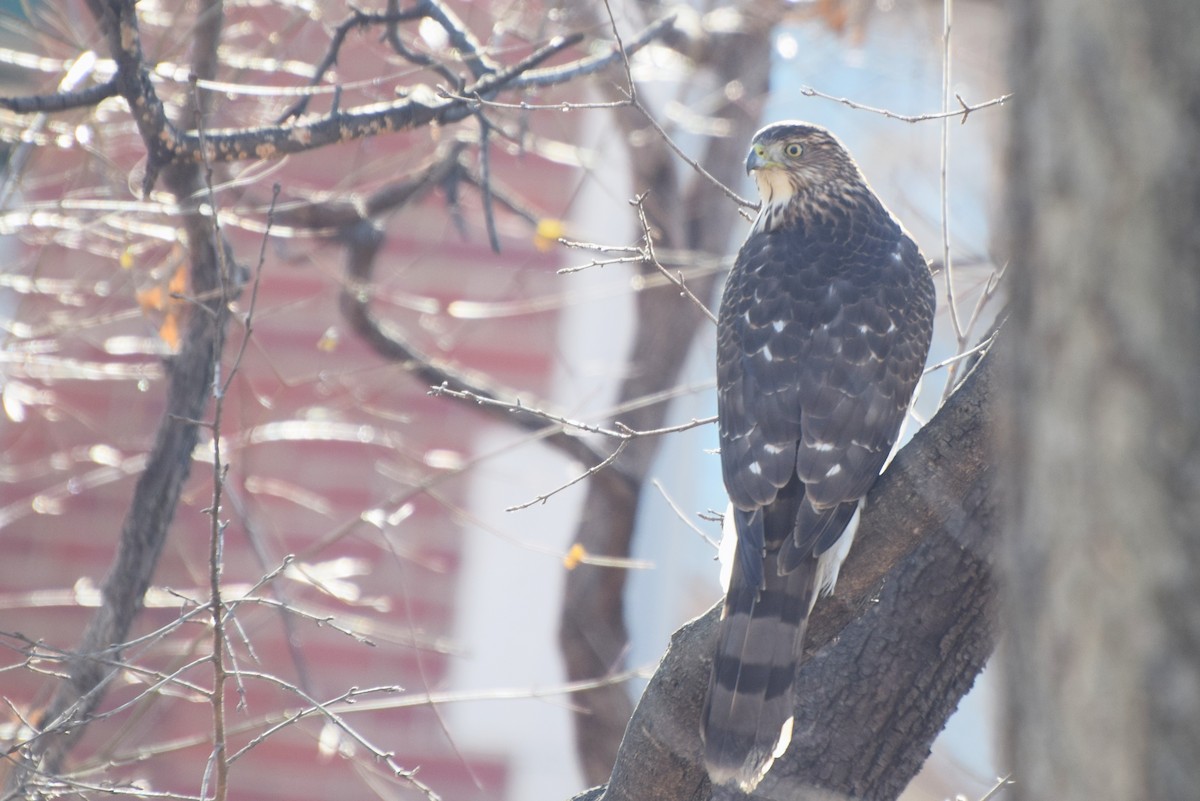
(354, 704)
(577, 268)
(485, 180)
(620, 431)
(981, 347)
(527, 106)
(695, 165)
(591, 471)
(219, 761)
(630, 88)
(964, 110)
(318, 707)
(566, 73)
(677, 278)
(989, 291)
(948, 264)
(1000, 784)
(680, 514)
(334, 716)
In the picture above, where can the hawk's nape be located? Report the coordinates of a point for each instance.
(824, 327)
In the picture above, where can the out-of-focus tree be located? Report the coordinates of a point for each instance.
(1102, 552)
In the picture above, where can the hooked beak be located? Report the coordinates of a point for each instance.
(757, 159)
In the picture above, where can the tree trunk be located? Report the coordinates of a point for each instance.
(1103, 425)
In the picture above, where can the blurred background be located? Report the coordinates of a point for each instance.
(372, 540)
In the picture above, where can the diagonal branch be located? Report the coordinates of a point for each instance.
(166, 144)
(357, 19)
(355, 229)
(60, 101)
(889, 656)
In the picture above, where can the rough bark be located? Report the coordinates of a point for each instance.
(1102, 556)
(890, 654)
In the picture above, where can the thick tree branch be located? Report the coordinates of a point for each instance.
(352, 225)
(167, 144)
(60, 101)
(890, 654)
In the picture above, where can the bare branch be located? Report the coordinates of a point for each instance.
(619, 431)
(566, 73)
(485, 180)
(695, 165)
(421, 107)
(61, 101)
(944, 174)
(965, 109)
(677, 278)
(591, 471)
(460, 38)
(357, 19)
(413, 57)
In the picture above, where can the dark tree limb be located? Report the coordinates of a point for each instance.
(61, 101)
(156, 493)
(167, 144)
(352, 224)
(413, 57)
(889, 655)
(357, 19)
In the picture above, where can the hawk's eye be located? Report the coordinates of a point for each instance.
(793, 150)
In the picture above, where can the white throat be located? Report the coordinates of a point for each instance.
(776, 188)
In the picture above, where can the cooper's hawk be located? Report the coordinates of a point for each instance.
(824, 328)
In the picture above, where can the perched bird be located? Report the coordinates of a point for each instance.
(823, 331)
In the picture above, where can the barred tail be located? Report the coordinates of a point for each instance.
(747, 718)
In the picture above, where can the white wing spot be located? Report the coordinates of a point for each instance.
(897, 256)
(774, 450)
(833, 471)
(779, 325)
(891, 328)
(766, 352)
(754, 468)
(862, 329)
(821, 446)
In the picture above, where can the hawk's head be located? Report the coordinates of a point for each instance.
(791, 158)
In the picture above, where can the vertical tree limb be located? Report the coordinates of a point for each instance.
(1102, 552)
(156, 493)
